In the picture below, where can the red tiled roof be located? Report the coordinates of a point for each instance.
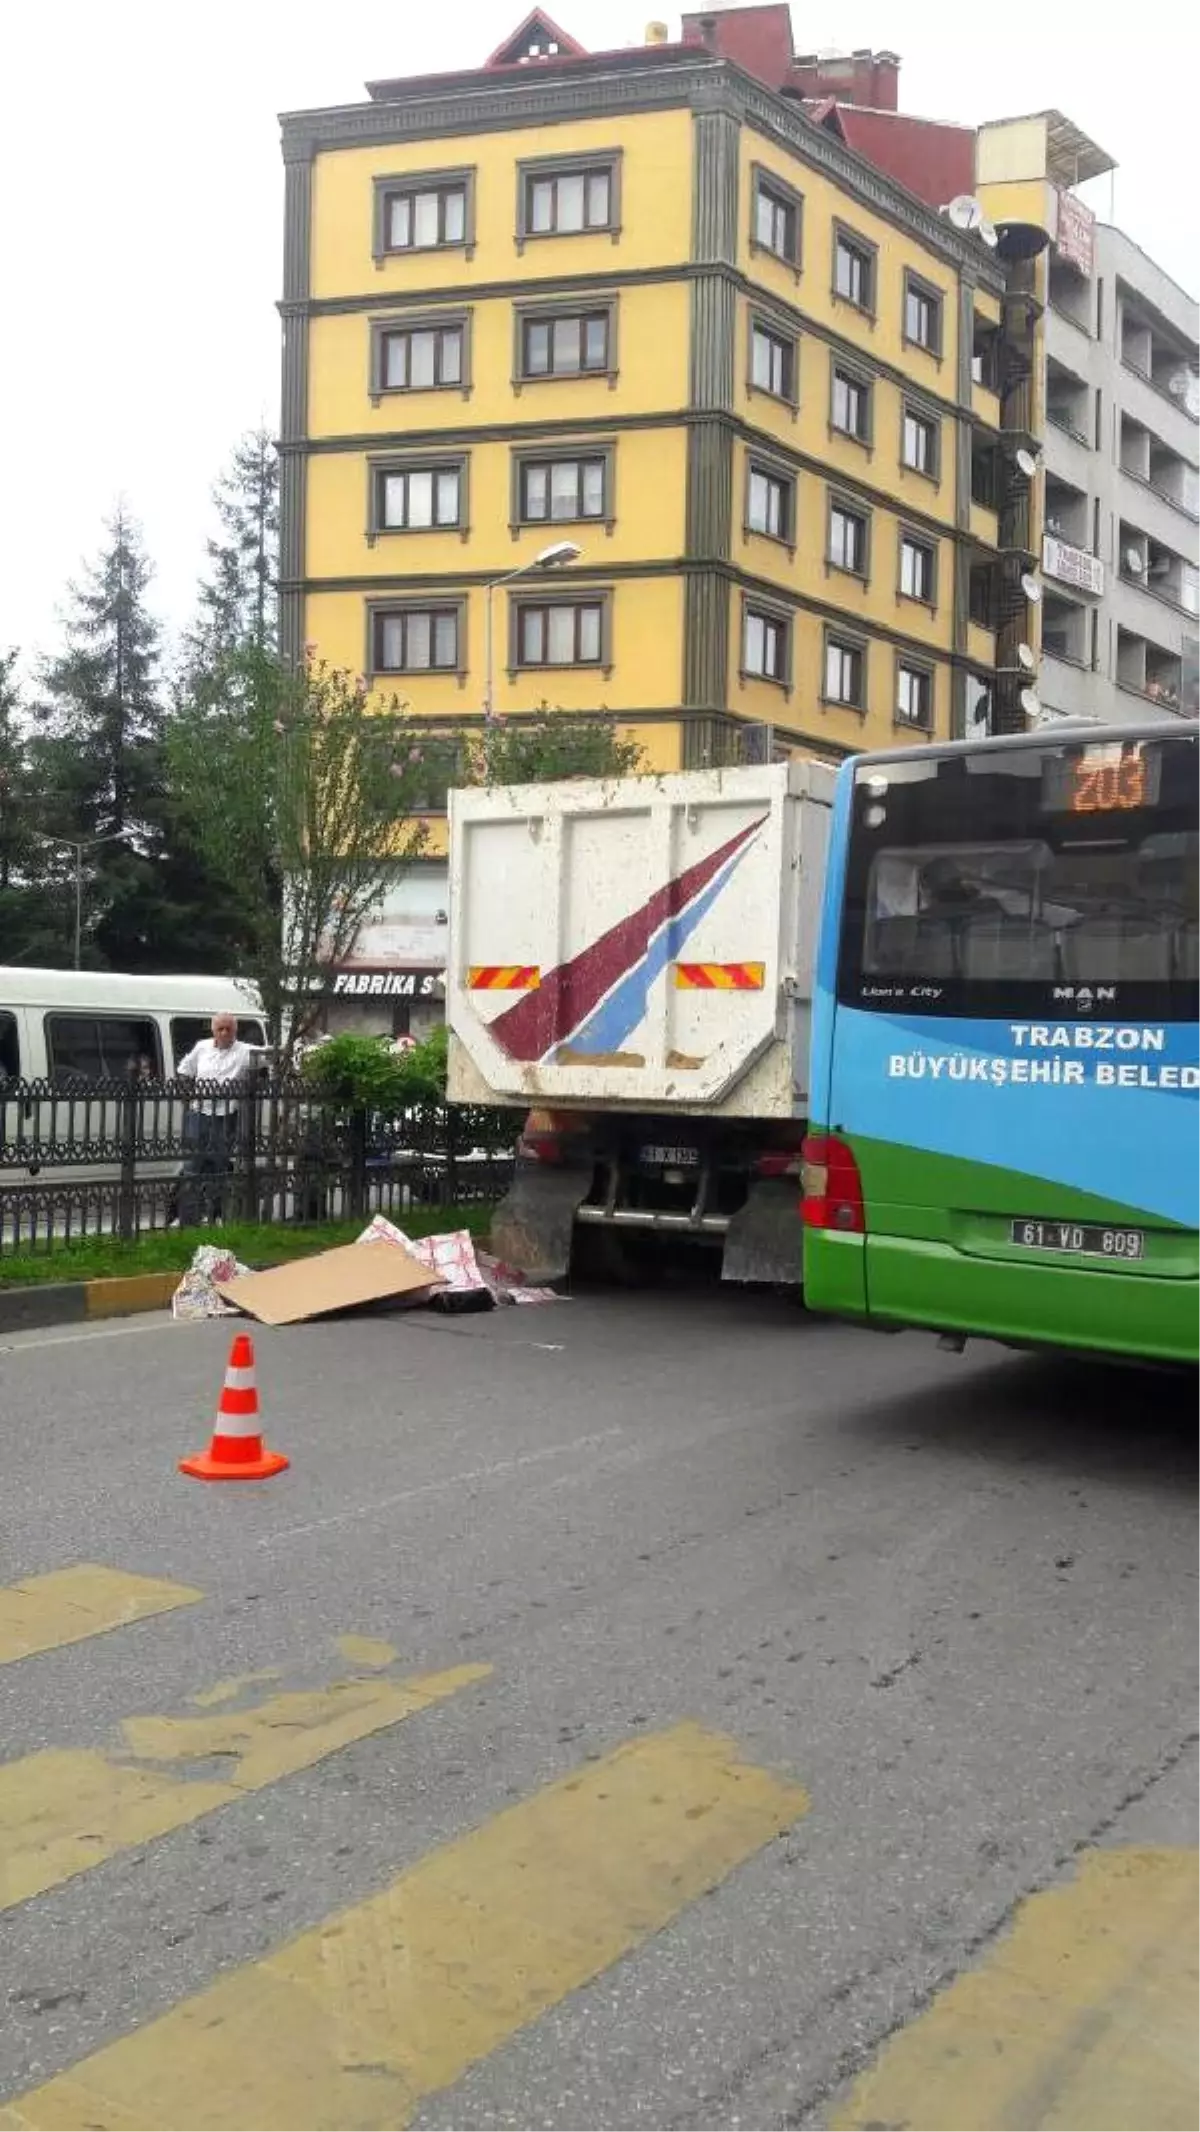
(933, 160)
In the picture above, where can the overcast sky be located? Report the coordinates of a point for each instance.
(141, 194)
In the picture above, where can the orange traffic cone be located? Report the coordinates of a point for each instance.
(237, 1451)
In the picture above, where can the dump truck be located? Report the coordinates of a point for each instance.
(630, 963)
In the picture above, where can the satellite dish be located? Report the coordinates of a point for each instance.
(1025, 463)
(989, 234)
(1025, 658)
(1177, 384)
(1031, 588)
(965, 212)
(1030, 704)
(1133, 561)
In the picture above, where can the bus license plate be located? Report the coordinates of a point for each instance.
(1081, 1239)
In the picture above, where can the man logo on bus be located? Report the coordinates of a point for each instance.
(1084, 998)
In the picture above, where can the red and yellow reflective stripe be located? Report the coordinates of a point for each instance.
(504, 977)
(719, 976)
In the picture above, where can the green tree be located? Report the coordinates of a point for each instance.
(14, 776)
(96, 751)
(549, 746)
(300, 796)
(34, 912)
(237, 603)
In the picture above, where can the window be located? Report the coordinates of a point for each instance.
(919, 443)
(764, 645)
(420, 358)
(10, 1049)
(918, 569)
(425, 218)
(851, 407)
(563, 491)
(566, 345)
(776, 224)
(770, 500)
(986, 885)
(914, 695)
(566, 202)
(188, 1030)
(560, 633)
(418, 499)
(416, 640)
(847, 539)
(438, 766)
(854, 271)
(845, 673)
(100, 1047)
(922, 315)
(772, 362)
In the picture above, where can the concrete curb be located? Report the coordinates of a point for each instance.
(77, 1302)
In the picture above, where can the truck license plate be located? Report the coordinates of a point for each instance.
(654, 1157)
(1080, 1239)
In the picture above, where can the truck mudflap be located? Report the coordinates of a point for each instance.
(764, 1242)
(533, 1224)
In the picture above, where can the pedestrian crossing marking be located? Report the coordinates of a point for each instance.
(1084, 2014)
(356, 2022)
(66, 1809)
(69, 1605)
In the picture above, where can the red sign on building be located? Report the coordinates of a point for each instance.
(1076, 238)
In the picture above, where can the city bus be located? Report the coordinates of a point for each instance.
(1004, 1071)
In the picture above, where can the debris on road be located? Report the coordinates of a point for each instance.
(445, 1272)
(196, 1296)
(330, 1281)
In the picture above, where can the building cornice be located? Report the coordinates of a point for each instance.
(701, 83)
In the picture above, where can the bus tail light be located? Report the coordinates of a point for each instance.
(831, 1186)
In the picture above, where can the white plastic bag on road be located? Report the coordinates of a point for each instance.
(196, 1295)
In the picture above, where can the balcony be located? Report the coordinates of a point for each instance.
(1157, 569)
(1146, 459)
(1065, 630)
(1067, 402)
(1167, 366)
(1067, 511)
(1145, 670)
(1070, 294)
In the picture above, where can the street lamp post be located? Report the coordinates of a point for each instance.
(79, 845)
(552, 558)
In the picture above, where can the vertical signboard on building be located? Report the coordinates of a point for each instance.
(1076, 237)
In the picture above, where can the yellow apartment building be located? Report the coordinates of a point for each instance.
(635, 309)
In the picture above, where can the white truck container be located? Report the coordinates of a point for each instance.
(630, 961)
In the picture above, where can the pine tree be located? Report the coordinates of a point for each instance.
(14, 775)
(238, 601)
(96, 753)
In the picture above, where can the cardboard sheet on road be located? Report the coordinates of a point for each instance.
(331, 1280)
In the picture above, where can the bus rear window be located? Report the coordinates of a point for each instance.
(996, 883)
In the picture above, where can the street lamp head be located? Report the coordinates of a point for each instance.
(562, 551)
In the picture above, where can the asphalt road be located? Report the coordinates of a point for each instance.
(765, 1670)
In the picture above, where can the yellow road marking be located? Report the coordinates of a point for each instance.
(1083, 2017)
(366, 1651)
(227, 1691)
(356, 2022)
(67, 1809)
(69, 1605)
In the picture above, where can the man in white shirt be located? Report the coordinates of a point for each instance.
(210, 1136)
(219, 1057)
